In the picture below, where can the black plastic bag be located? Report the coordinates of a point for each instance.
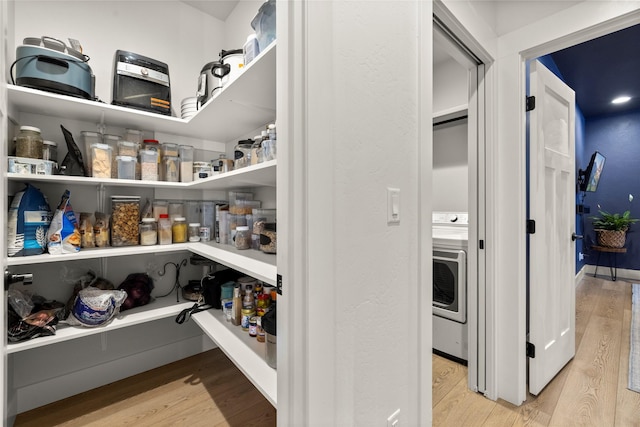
(72, 165)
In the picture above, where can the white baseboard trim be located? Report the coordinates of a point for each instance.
(39, 394)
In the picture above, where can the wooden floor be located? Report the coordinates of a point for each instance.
(590, 391)
(207, 390)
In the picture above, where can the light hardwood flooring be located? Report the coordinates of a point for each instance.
(208, 390)
(590, 391)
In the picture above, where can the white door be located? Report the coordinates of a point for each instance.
(552, 207)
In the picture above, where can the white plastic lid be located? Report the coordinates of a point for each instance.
(242, 228)
(251, 36)
(52, 143)
(31, 128)
(179, 218)
(194, 224)
(126, 158)
(148, 220)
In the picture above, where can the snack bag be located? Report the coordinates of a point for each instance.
(64, 234)
(27, 223)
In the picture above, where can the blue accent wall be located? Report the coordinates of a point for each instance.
(617, 137)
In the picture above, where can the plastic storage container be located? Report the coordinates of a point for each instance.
(169, 149)
(251, 48)
(242, 154)
(194, 231)
(148, 232)
(126, 167)
(170, 169)
(243, 237)
(148, 165)
(202, 170)
(160, 207)
(50, 151)
(186, 163)
(268, 238)
(88, 139)
(224, 164)
(133, 135)
(125, 216)
(264, 24)
(101, 161)
(164, 230)
(113, 141)
(29, 142)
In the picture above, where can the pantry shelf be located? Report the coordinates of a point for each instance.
(245, 351)
(157, 309)
(242, 106)
(256, 264)
(260, 175)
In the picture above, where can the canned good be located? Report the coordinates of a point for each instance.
(247, 314)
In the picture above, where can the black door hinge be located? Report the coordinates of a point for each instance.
(531, 226)
(279, 284)
(530, 103)
(531, 350)
(481, 244)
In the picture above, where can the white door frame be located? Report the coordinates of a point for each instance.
(569, 27)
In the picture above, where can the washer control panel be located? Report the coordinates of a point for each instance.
(450, 218)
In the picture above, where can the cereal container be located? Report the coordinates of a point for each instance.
(125, 217)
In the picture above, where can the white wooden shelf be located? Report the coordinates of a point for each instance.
(240, 107)
(157, 309)
(260, 175)
(245, 351)
(450, 113)
(256, 264)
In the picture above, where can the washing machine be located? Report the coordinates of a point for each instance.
(450, 244)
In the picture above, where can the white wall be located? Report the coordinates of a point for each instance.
(451, 167)
(450, 86)
(364, 130)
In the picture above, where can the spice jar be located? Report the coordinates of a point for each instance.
(148, 232)
(179, 230)
(243, 237)
(29, 143)
(194, 232)
(253, 326)
(50, 151)
(164, 230)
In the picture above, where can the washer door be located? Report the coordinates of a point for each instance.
(450, 284)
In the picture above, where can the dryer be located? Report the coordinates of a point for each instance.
(450, 231)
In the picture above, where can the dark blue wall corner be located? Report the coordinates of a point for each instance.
(618, 139)
(580, 164)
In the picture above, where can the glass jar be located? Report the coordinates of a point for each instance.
(201, 170)
(243, 237)
(194, 232)
(253, 326)
(179, 230)
(148, 232)
(256, 151)
(224, 164)
(164, 230)
(247, 314)
(50, 151)
(29, 142)
(242, 154)
(268, 238)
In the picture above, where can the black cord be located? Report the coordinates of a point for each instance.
(176, 284)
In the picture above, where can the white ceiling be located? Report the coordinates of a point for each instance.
(217, 8)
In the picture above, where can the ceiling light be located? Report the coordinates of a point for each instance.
(621, 100)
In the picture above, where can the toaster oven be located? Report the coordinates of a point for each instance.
(141, 83)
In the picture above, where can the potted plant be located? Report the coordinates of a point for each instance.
(611, 228)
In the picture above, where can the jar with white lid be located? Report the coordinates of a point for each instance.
(50, 151)
(29, 142)
(148, 232)
(243, 237)
(194, 231)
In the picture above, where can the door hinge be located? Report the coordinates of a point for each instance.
(531, 350)
(530, 103)
(531, 226)
(481, 244)
(279, 284)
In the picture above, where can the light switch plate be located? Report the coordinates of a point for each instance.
(393, 205)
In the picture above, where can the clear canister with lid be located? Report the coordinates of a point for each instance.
(164, 230)
(169, 149)
(242, 154)
(186, 163)
(170, 169)
(179, 230)
(90, 138)
(268, 238)
(224, 164)
(194, 231)
(29, 142)
(148, 165)
(113, 141)
(148, 232)
(126, 167)
(50, 151)
(201, 170)
(133, 135)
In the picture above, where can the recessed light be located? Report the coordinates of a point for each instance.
(621, 100)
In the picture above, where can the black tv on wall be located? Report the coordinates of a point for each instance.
(588, 179)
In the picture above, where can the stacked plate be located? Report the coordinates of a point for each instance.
(189, 107)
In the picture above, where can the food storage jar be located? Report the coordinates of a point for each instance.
(243, 237)
(29, 142)
(242, 154)
(179, 230)
(153, 145)
(148, 232)
(164, 230)
(160, 207)
(133, 135)
(170, 169)
(89, 138)
(101, 161)
(268, 238)
(250, 49)
(125, 216)
(194, 231)
(202, 170)
(256, 151)
(186, 163)
(224, 164)
(176, 210)
(112, 141)
(50, 151)
(126, 167)
(261, 217)
(169, 149)
(128, 148)
(148, 165)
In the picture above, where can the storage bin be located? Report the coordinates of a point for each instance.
(113, 141)
(101, 161)
(125, 217)
(126, 167)
(88, 139)
(186, 163)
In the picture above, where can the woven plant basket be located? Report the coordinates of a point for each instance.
(611, 238)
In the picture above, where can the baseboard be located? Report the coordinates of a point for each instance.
(623, 273)
(580, 275)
